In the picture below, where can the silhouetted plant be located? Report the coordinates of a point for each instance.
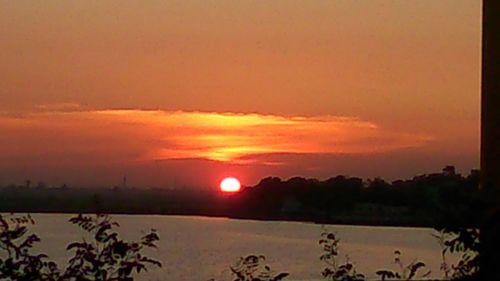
(105, 258)
(16, 261)
(464, 242)
(335, 271)
(406, 272)
(252, 268)
(445, 266)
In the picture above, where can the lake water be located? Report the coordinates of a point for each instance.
(200, 248)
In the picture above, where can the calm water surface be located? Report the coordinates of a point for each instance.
(200, 248)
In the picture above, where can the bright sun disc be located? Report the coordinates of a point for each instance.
(230, 185)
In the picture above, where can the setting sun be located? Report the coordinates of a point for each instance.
(230, 185)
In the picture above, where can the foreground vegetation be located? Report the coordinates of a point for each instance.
(106, 257)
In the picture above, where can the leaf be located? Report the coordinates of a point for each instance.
(414, 268)
(76, 245)
(386, 274)
(280, 276)
(100, 235)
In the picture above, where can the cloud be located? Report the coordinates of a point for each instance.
(61, 107)
(105, 136)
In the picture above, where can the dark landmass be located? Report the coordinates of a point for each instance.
(427, 200)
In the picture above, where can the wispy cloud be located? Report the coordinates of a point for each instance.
(65, 106)
(131, 135)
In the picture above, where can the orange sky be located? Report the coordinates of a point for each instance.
(256, 88)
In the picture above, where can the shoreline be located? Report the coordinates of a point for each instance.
(367, 223)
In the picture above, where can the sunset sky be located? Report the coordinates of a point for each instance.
(183, 93)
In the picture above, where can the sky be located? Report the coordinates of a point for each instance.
(184, 93)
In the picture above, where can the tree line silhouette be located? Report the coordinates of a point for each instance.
(435, 199)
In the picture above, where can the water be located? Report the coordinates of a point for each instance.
(200, 248)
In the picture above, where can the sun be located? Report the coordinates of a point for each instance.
(230, 184)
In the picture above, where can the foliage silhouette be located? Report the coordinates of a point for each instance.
(334, 271)
(406, 272)
(105, 258)
(16, 261)
(466, 243)
(252, 268)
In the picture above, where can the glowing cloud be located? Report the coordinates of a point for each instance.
(138, 135)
